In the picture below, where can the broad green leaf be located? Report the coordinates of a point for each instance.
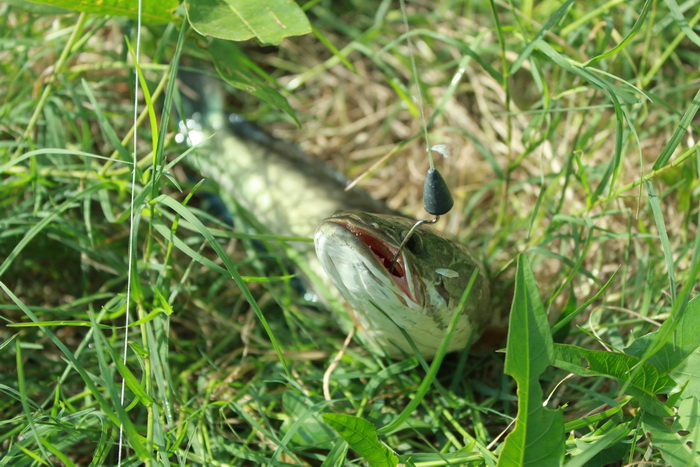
(679, 356)
(688, 372)
(268, 21)
(37, 8)
(361, 435)
(645, 382)
(672, 445)
(152, 11)
(689, 421)
(538, 437)
(689, 417)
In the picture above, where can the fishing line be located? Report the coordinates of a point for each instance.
(437, 199)
(131, 225)
(414, 70)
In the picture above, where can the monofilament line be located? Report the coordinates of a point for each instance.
(131, 224)
(414, 71)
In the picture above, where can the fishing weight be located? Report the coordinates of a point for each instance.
(437, 199)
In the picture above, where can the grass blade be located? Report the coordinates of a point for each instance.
(663, 236)
(630, 35)
(187, 215)
(118, 418)
(678, 133)
(24, 397)
(435, 365)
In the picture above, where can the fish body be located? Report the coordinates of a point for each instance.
(355, 236)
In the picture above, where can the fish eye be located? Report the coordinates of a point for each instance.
(414, 244)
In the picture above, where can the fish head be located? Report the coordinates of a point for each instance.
(417, 290)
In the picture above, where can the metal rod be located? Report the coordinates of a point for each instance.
(405, 239)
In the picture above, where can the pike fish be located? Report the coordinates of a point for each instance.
(355, 236)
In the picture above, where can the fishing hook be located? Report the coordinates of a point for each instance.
(407, 236)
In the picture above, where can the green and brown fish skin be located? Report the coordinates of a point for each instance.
(294, 194)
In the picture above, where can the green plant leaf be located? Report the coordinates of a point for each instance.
(153, 11)
(361, 435)
(238, 20)
(196, 256)
(538, 437)
(105, 126)
(651, 380)
(114, 411)
(102, 345)
(37, 8)
(303, 421)
(553, 19)
(663, 237)
(644, 383)
(667, 439)
(679, 356)
(689, 415)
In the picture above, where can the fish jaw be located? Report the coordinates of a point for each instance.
(363, 280)
(356, 249)
(379, 253)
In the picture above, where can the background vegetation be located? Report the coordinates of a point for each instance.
(573, 136)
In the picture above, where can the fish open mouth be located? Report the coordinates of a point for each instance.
(384, 251)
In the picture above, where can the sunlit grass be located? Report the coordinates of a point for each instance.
(581, 154)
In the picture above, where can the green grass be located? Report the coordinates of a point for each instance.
(573, 135)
